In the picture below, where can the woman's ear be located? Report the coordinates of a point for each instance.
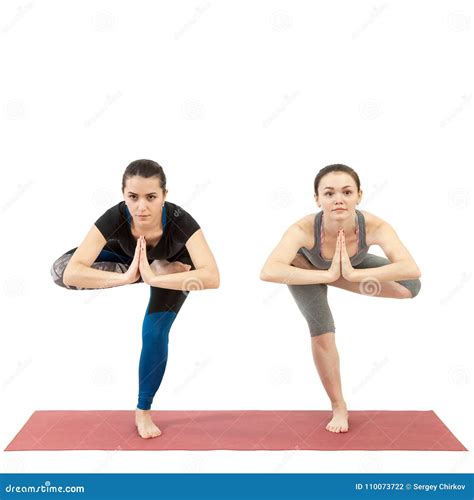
(316, 199)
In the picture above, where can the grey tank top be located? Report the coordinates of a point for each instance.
(314, 254)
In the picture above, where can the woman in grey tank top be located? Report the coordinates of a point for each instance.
(330, 248)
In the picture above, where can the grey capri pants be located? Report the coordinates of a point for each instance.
(313, 303)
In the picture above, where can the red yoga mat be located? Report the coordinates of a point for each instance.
(235, 430)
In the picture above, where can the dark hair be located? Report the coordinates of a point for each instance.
(144, 168)
(337, 167)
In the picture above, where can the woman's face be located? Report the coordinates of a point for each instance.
(144, 199)
(337, 195)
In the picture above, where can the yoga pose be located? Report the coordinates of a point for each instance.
(144, 239)
(330, 248)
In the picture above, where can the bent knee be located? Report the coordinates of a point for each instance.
(404, 293)
(413, 289)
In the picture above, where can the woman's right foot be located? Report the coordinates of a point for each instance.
(340, 418)
(145, 425)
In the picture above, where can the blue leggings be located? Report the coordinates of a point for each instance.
(163, 307)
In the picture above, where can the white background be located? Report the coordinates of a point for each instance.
(241, 103)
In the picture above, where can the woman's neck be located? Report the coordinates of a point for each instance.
(148, 230)
(331, 227)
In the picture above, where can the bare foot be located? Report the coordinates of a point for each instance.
(145, 426)
(165, 267)
(340, 419)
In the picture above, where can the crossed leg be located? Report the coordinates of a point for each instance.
(387, 289)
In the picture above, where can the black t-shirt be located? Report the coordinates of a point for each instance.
(178, 227)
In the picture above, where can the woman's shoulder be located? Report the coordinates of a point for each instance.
(372, 221)
(179, 220)
(175, 210)
(306, 224)
(372, 225)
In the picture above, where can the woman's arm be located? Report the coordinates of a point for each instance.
(78, 271)
(206, 274)
(402, 267)
(277, 268)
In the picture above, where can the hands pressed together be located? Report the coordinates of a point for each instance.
(141, 267)
(340, 265)
(341, 262)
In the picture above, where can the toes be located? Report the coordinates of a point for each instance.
(336, 428)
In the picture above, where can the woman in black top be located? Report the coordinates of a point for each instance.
(144, 239)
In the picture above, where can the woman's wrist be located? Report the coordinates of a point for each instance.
(353, 276)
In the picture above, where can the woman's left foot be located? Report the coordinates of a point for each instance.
(340, 419)
(145, 426)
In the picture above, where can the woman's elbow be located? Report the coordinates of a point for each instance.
(416, 273)
(67, 276)
(216, 281)
(266, 274)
